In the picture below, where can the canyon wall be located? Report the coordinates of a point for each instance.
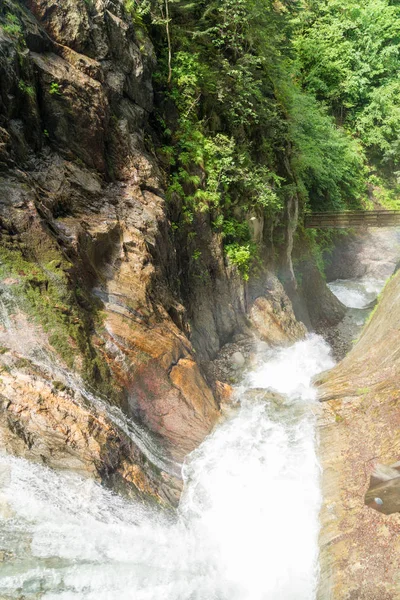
(102, 331)
(359, 425)
(88, 269)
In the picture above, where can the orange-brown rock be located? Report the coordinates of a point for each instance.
(49, 422)
(224, 392)
(166, 390)
(273, 317)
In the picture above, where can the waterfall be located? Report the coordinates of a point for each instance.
(246, 527)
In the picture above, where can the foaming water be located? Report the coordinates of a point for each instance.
(27, 340)
(357, 293)
(246, 528)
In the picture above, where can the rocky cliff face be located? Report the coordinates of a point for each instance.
(318, 307)
(87, 266)
(98, 332)
(359, 434)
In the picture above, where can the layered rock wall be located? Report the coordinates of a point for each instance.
(359, 421)
(87, 262)
(93, 295)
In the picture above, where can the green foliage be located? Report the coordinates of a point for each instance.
(388, 195)
(44, 291)
(196, 255)
(48, 300)
(238, 132)
(239, 111)
(12, 25)
(138, 10)
(240, 250)
(55, 89)
(363, 391)
(379, 123)
(221, 149)
(242, 256)
(233, 229)
(26, 88)
(328, 161)
(316, 248)
(349, 55)
(321, 243)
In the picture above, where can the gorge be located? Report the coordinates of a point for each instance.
(185, 412)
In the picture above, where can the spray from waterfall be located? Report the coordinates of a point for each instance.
(29, 341)
(247, 524)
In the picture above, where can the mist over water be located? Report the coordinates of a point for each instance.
(246, 528)
(357, 293)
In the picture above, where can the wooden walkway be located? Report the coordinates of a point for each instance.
(356, 218)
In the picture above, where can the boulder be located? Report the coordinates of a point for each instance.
(273, 318)
(238, 360)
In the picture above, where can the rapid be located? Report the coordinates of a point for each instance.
(247, 525)
(246, 528)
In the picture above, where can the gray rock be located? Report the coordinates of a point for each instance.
(238, 360)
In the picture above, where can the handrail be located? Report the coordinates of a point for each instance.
(352, 218)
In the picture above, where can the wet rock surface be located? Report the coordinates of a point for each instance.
(87, 253)
(342, 336)
(321, 309)
(227, 367)
(274, 324)
(51, 422)
(257, 394)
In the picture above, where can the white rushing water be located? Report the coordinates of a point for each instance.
(26, 339)
(246, 528)
(357, 293)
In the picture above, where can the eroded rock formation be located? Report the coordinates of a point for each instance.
(85, 247)
(359, 439)
(92, 290)
(370, 252)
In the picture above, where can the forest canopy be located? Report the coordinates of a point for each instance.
(348, 54)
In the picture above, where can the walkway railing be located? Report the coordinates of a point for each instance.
(356, 218)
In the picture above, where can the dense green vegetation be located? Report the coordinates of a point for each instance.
(348, 54)
(239, 135)
(261, 100)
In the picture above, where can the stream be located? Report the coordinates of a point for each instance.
(247, 525)
(357, 293)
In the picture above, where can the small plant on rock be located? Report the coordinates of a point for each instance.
(55, 89)
(26, 89)
(12, 26)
